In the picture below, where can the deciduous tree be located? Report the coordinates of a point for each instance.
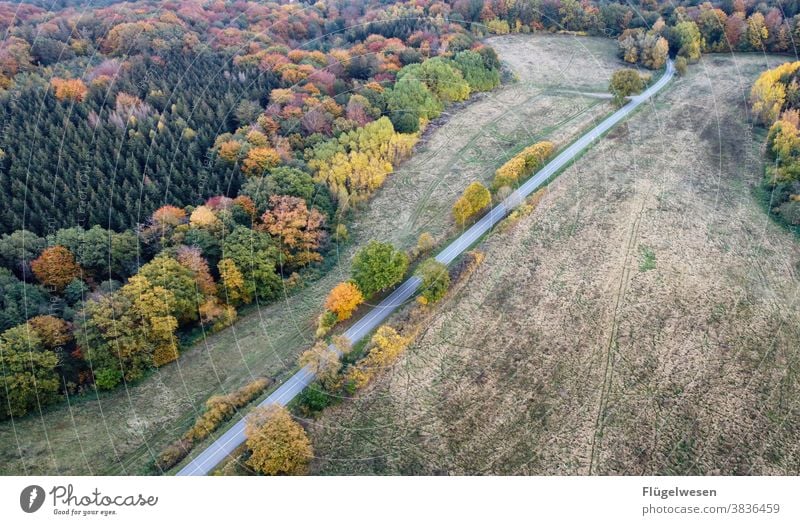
(474, 200)
(343, 300)
(56, 267)
(377, 267)
(277, 443)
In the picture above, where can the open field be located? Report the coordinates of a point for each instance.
(122, 431)
(643, 320)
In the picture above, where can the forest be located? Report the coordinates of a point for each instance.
(163, 164)
(775, 99)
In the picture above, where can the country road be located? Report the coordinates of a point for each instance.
(234, 437)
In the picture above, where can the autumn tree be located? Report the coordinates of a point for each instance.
(378, 266)
(127, 332)
(299, 231)
(278, 445)
(56, 267)
(435, 280)
(192, 259)
(383, 350)
(179, 280)
(52, 331)
(690, 42)
(474, 200)
(259, 160)
(324, 362)
(69, 89)
(522, 165)
(27, 372)
(232, 288)
(757, 32)
(343, 300)
(624, 83)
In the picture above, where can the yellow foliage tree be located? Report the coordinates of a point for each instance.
(232, 290)
(277, 443)
(522, 164)
(343, 300)
(203, 217)
(259, 160)
(768, 94)
(69, 89)
(474, 199)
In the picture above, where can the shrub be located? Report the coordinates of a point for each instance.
(324, 362)
(173, 454)
(522, 164)
(474, 200)
(435, 280)
(313, 399)
(221, 408)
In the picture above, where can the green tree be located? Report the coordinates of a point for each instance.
(19, 300)
(283, 180)
(408, 101)
(256, 256)
(690, 43)
(378, 266)
(28, 372)
(18, 249)
(474, 70)
(444, 81)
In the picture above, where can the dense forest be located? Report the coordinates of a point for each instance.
(177, 169)
(775, 99)
(164, 163)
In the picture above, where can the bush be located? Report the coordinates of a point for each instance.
(474, 200)
(173, 454)
(313, 399)
(522, 165)
(681, 66)
(222, 408)
(435, 280)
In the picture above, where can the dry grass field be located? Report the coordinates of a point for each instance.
(643, 320)
(122, 431)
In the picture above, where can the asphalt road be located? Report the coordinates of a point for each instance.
(234, 437)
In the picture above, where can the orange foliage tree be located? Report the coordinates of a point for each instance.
(299, 229)
(69, 89)
(259, 160)
(56, 267)
(343, 300)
